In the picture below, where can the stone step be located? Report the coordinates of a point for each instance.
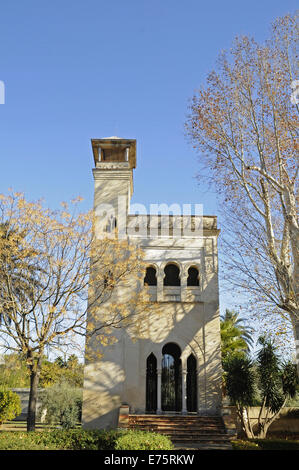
(177, 417)
(184, 430)
(203, 445)
(199, 437)
(174, 425)
(196, 437)
(177, 423)
(167, 430)
(199, 423)
(176, 432)
(181, 426)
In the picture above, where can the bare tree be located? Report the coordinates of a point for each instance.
(53, 271)
(244, 121)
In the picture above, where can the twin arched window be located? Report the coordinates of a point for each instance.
(172, 276)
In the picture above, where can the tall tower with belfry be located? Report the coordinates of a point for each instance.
(176, 368)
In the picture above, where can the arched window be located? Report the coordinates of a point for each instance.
(151, 383)
(191, 384)
(150, 277)
(172, 275)
(193, 277)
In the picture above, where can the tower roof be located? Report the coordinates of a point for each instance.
(114, 143)
(113, 137)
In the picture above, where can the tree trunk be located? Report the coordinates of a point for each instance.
(262, 433)
(264, 423)
(295, 323)
(34, 381)
(245, 421)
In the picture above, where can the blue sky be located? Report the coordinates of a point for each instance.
(76, 70)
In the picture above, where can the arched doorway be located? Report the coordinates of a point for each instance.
(171, 392)
(151, 384)
(191, 384)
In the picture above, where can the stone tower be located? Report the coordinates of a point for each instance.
(176, 368)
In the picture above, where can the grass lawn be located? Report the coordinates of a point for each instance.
(22, 426)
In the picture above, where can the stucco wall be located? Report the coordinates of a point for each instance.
(120, 376)
(287, 422)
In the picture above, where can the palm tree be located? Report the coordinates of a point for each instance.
(235, 335)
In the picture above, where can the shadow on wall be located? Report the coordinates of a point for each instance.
(120, 375)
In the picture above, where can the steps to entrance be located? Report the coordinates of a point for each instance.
(185, 431)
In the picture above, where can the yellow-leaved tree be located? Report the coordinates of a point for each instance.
(54, 271)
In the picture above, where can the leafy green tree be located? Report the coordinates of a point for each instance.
(50, 373)
(14, 372)
(276, 382)
(73, 376)
(235, 335)
(70, 370)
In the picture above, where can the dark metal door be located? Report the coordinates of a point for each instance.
(171, 383)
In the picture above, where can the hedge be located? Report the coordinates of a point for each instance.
(80, 439)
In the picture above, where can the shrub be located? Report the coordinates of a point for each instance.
(80, 439)
(140, 440)
(62, 404)
(10, 405)
(18, 440)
